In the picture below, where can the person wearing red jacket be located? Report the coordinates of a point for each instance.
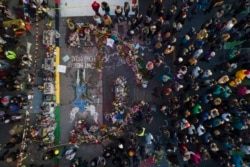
(95, 7)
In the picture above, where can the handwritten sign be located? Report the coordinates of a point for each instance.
(82, 62)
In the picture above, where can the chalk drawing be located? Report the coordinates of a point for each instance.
(73, 113)
(106, 57)
(146, 48)
(163, 127)
(115, 61)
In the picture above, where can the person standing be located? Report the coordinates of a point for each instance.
(107, 21)
(150, 10)
(95, 6)
(158, 6)
(118, 13)
(98, 20)
(105, 7)
(126, 10)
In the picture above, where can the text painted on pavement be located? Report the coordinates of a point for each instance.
(81, 62)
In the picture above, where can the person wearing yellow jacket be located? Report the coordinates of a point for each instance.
(107, 21)
(140, 131)
(241, 74)
(235, 82)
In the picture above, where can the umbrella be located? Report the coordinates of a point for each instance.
(5, 100)
(242, 90)
(118, 116)
(14, 108)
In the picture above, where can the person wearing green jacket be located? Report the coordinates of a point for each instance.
(11, 55)
(197, 109)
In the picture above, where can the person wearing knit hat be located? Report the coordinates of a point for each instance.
(107, 21)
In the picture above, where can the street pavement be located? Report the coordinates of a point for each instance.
(99, 85)
(80, 8)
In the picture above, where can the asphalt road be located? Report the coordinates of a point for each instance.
(114, 67)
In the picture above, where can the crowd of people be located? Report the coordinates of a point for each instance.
(17, 82)
(206, 95)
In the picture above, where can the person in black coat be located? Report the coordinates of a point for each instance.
(3, 155)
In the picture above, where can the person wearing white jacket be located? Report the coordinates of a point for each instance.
(245, 149)
(197, 53)
(230, 24)
(207, 73)
(191, 130)
(226, 116)
(196, 72)
(201, 130)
